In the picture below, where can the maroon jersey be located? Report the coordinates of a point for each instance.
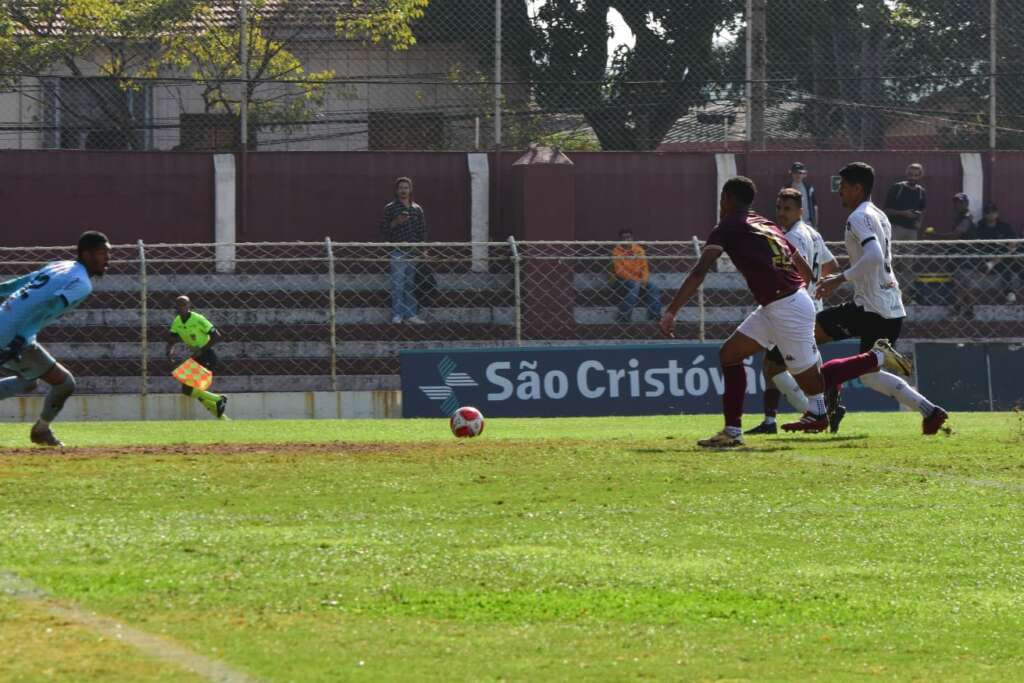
(761, 252)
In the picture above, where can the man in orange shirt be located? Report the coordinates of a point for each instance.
(633, 279)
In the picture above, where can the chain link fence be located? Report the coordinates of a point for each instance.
(475, 74)
(321, 316)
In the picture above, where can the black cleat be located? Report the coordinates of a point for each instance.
(43, 436)
(222, 405)
(764, 428)
(835, 417)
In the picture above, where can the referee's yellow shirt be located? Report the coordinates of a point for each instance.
(194, 332)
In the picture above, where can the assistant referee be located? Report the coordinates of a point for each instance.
(198, 334)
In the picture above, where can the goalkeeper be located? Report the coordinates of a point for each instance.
(198, 334)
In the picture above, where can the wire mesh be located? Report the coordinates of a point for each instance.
(413, 74)
(272, 303)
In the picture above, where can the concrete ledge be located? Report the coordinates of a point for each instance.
(324, 405)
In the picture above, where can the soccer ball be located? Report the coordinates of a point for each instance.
(467, 421)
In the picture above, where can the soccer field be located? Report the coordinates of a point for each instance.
(582, 549)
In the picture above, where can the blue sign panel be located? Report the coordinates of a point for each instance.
(654, 379)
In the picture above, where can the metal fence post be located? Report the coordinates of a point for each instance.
(144, 315)
(333, 313)
(516, 284)
(700, 295)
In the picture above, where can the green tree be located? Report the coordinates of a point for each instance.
(632, 105)
(104, 44)
(278, 90)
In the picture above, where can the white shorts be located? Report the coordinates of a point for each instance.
(789, 324)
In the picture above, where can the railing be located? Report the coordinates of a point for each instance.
(319, 315)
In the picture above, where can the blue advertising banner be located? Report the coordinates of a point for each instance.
(650, 379)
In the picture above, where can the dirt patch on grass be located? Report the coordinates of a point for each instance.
(223, 449)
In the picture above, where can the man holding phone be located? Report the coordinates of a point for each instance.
(904, 204)
(403, 225)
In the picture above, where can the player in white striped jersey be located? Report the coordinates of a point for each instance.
(27, 305)
(807, 241)
(876, 311)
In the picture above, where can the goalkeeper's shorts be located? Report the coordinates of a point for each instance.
(31, 363)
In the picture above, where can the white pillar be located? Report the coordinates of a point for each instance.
(974, 181)
(726, 165)
(224, 224)
(479, 209)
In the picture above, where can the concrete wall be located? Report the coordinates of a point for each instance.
(254, 406)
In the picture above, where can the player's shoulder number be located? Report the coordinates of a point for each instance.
(38, 282)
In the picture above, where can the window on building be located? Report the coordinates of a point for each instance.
(96, 113)
(212, 133)
(402, 130)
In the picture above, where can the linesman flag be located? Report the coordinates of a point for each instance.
(192, 374)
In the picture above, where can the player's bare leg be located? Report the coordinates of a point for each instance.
(62, 385)
(734, 351)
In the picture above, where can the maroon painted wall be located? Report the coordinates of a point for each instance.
(307, 196)
(770, 170)
(658, 196)
(50, 197)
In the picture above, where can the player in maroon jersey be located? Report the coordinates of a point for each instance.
(775, 273)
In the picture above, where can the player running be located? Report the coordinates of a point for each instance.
(31, 303)
(876, 311)
(810, 245)
(198, 334)
(785, 317)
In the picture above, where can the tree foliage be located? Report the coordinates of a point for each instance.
(650, 86)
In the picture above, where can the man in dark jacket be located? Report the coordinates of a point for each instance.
(404, 223)
(1005, 267)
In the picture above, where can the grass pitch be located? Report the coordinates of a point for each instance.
(599, 549)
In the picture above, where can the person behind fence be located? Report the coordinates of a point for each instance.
(198, 334)
(631, 276)
(905, 204)
(404, 222)
(29, 304)
(808, 197)
(1006, 268)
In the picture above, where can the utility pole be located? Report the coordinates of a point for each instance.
(993, 59)
(497, 74)
(757, 60)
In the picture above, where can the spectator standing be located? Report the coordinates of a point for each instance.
(809, 199)
(905, 204)
(1006, 267)
(632, 275)
(404, 222)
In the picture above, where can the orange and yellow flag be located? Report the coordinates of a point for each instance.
(192, 374)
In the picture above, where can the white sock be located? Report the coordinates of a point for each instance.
(896, 387)
(881, 358)
(769, 419)
(817, 404)
(733, 431)
(785, 383)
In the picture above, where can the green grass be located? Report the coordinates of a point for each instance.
(600, 549)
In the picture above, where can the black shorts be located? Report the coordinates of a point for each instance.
(207, 358)
(848, 321)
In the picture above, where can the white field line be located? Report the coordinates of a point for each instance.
(154, 646)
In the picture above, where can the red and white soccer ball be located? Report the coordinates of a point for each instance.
(467, 421)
